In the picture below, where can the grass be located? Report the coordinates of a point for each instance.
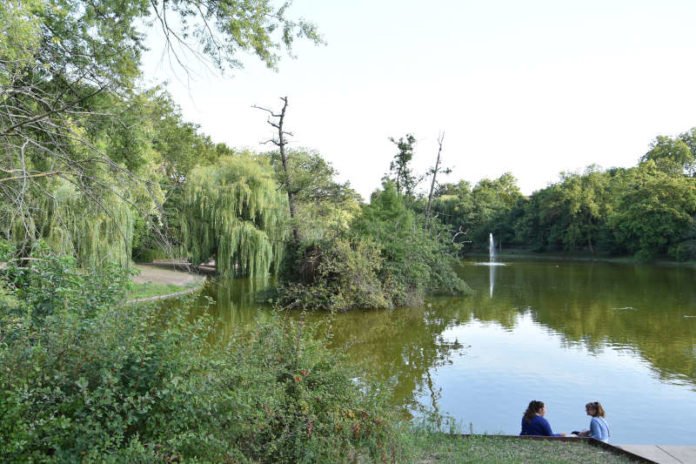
(428, 447)
(150, 290)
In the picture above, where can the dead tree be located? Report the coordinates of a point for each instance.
(434, 171)
(276, 120)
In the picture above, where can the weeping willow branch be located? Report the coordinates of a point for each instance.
(235, 213)
(98, 232)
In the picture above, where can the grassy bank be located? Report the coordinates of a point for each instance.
(427, 447)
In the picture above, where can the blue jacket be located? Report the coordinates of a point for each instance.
(537, 426)
(599, 429)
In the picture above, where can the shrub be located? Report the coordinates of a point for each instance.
(388, 259)
(105, 383)
(684, 251)
(336, 275)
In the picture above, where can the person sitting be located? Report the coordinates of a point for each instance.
(534, 423)
(599, 429)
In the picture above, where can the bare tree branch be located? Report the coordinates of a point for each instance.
(281, 142)
(434, 172)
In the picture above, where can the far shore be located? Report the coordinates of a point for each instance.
(521, 253)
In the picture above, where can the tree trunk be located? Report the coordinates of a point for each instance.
(435, 170)
(280, 142)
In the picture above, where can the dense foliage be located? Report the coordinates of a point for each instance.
(234, 211)
(87, 158)
(385, 254)
(388, 258)
(85, 380)
(645, 211)
(95, 171)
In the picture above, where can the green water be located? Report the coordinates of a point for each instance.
(562, 332)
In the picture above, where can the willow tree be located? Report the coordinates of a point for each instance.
(96, 233)
(235, 213)
(62, 63)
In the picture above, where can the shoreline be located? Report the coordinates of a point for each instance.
(522, 254)
(185, 281)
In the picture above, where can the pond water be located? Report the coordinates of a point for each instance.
(564, 332)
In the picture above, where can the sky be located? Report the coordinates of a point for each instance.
(534, 88)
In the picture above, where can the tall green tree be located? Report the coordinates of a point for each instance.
(61, 60)
(453, 207)
(493, 200)
(236, 214)
(400, 171)
(672, 155)
(655, 211)
(416, 261)
(324, 207)
(576, 209)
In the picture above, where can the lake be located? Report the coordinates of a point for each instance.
(562, 332)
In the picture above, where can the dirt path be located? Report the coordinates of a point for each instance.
(158, 275)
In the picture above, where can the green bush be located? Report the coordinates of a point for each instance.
(388, 259)
(343, 276)
(684, 251)
(122, 384)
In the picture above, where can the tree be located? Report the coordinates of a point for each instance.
(235, 213)
(324, 207)
(416, 261)
(61, 60)
(435, 171)
(400, 171)
(492, 200)
(453, 206)
(689, 138)
(655, 211)
(673, 156)
(581, 203)
(277, 120)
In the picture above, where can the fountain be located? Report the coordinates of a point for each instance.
(492, 260)
(492, 263)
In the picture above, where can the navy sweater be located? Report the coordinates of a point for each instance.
(537, 426)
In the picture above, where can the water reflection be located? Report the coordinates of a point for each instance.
(399, 348)
(639, 308)
(541, 329)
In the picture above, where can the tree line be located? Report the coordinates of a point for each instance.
(646, 211)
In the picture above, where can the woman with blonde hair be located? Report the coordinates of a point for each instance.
(599, 429)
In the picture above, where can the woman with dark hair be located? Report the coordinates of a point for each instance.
(534, 423)
(599, 429)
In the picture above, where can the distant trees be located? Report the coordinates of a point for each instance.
(474, 213)
(645, 211)
(674, 155)
(654, 214)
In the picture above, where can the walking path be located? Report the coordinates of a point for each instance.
(664, 454)
(188, 282)
(159, 275)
